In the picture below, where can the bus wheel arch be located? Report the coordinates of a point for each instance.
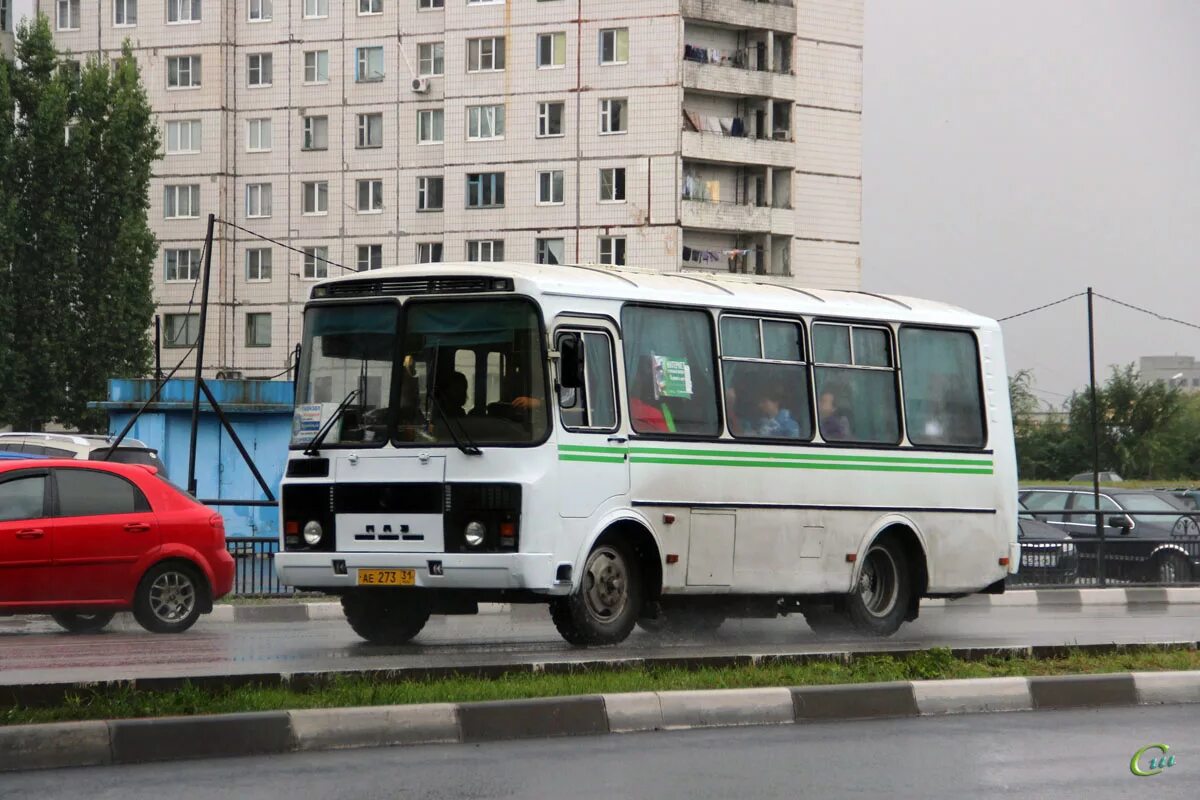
(896, 545)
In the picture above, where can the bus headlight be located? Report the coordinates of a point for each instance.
(474, 534)
(313, 533)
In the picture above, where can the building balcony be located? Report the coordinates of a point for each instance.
(735, 81)
(736, 217)
(718, 148)
(777, 15)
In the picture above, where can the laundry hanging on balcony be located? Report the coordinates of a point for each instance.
(726, 126)
(714, 55)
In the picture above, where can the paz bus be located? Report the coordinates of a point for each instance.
(636, 448)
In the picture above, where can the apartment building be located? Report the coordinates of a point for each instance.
(7, 26)
(719, 135)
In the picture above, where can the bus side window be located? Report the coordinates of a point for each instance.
(592, 406)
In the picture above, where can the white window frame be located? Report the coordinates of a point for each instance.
(310, 128)
(362, 64)
(258, 122)
(194, 136)
(320, 198)
(319, 67)
(126, 6)
(316, 262)
(374, 187)
(612, 242)
(319, 9)
(193, 200)
(193, 8)
(623, 186)
(194, 64)
(371, 250)
(425, 252)
(374, 7)
(479, 245)
(543, 201)
(606, 116)
(485, 123)
(258, 200)
(475, 51)
(558, 50)
(258, 315)
(363, 126)
(264, 11)
(616, 37)
(72, 8)
(258, 257)
(265, 68)
(193, 264)
(543, 119)
(431, 5)
(424, 183)
(433, 114)
(436, 54)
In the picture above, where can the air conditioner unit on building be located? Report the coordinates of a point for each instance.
(420, 85)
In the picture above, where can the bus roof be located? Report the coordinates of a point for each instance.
(692, 287)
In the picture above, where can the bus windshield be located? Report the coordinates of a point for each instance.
(472, 372)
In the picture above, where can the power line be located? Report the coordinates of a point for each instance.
(1039, 308)
(286, 246)
(1147, 311)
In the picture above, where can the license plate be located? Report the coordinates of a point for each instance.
(387, 577)
(1040, 560)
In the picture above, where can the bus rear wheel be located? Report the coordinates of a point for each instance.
(879, 600)
(386, 616)
(608, 601)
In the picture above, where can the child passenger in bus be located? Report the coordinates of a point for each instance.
(774, 420)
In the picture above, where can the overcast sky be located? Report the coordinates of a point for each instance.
(1016, 151)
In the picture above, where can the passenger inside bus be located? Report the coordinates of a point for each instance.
(452, 394)
(774, 420)
(734, 410)
(834, 425)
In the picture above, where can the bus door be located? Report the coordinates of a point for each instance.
(593, 458)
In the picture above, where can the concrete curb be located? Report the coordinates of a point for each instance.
(28, 747)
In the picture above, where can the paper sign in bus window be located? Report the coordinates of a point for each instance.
(672, 377)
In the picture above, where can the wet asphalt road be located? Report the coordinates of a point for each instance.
(34, 650)
(1052, 754)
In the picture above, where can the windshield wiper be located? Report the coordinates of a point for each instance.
(311, 449)
(468, 447)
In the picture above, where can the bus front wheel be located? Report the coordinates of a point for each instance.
(386, 616)
(879, 600)
(608, 601)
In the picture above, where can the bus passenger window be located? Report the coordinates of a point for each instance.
(942, 402)
(670, 369)
(766, 380)
(856, 384)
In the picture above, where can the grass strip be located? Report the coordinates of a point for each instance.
(347, 691)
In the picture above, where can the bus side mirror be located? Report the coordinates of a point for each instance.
(570, 361)
(1120, 521)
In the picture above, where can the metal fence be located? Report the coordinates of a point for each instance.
(254, 559)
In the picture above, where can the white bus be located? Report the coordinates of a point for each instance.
(648, 448)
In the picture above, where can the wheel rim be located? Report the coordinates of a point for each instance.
(1168, 570)
(172, 596)
(606, 585)
(878, 583)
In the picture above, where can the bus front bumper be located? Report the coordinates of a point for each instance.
(529, 571)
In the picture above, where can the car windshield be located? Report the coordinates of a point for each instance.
(347, 348)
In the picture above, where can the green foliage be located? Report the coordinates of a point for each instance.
(76, 251)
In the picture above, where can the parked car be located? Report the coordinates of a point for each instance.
(82, 540)
(1162, 546)
(1105, 477)
(1048, 555)
(82, 446)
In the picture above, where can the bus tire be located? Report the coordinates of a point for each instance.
(879, 601)
(385, 616)
(608, 602)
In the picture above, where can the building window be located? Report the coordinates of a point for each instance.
(316, 133)
(182, 330)
(315, 197)
(258, 69)
(429, 193)
(485, 122)
(316, 9)
(612, 185)
(485, 250)
(431, 59)
(370, 196)
(370, 7)
(429, 253)
(370, 256)
(430, 123)
(485, 190)
(549, 251)
(181, 202)
(430, 5)
(258, 135)
(612, 250)
(550, 188)
(551, 50)
(181, 265)
(68, 15)
(612, 116)
(183, 72)
(124, 13)
(183, 11)
(368, 64)
(316, 263)
(258, 330)
(614, 46)
(316, 66)
(260, 10)
(258, 200)
(370, 131)
(258, 264)
(183, 136)
(4, 15)
(485, 55)
(550, 119)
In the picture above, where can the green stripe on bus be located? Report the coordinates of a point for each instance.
(578, 448)
(708, 462)
(595, 459)
(665, 451)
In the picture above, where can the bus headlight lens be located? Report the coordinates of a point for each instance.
(313, 533)
(475, 533)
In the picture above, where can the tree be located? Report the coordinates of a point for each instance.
(1039, 441)
(76, 251)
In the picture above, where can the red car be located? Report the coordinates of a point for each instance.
(82, 540)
